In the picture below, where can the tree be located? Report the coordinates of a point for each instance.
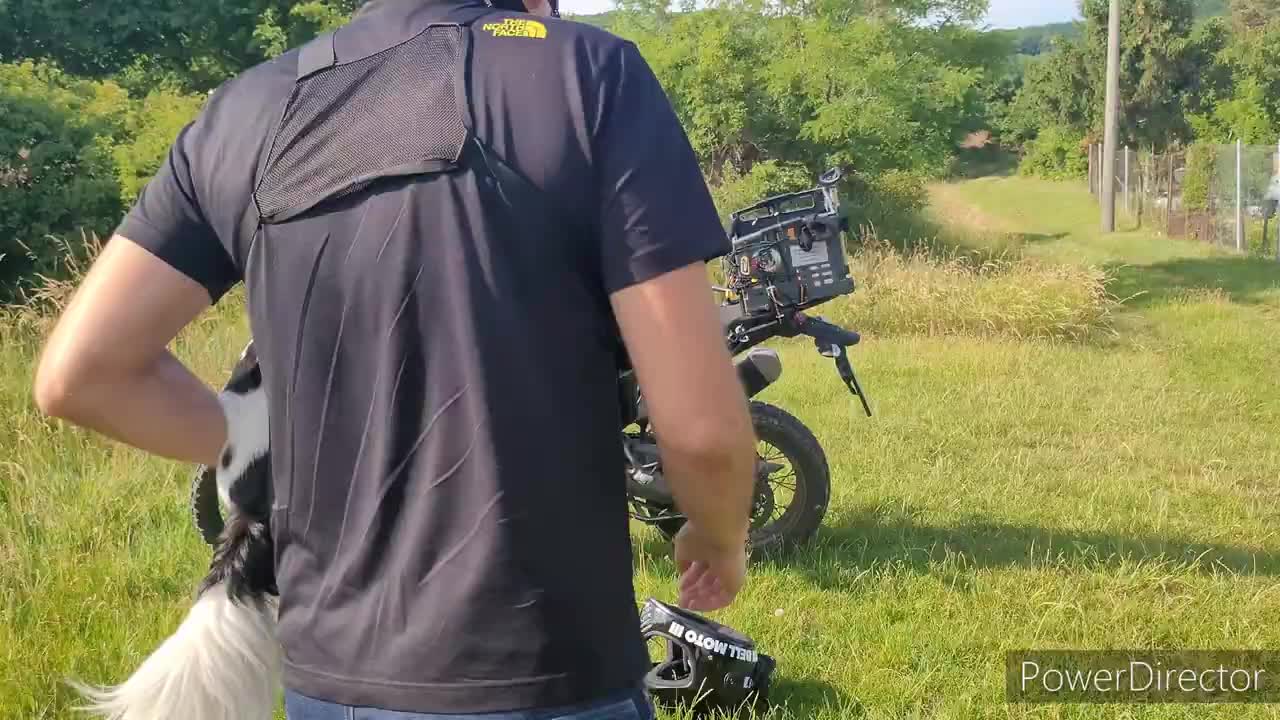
(1249, 15)
(875, 92)
(1155, 72)
(1159, 76)
(1061, 90)
(770, 96)
(200, 44)
(56, 171)
(936, 12)
(711, 64)
(877, 96)
(1243, 101)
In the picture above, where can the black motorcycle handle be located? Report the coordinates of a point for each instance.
(830, 339)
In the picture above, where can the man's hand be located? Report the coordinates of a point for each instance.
(106, 366)
(710, 575)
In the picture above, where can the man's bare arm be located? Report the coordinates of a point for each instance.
(106, 366)
(695, 400)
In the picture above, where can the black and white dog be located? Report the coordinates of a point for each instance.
(223, 661)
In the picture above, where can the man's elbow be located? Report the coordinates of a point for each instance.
(52, 393)
(60, 388)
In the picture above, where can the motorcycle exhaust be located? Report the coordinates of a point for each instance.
(758, 370)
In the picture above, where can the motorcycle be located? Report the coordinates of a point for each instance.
(787, 257)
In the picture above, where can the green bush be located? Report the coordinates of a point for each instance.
(1056, 154)
(150, 132)
(1257, 245)
(73, 155)
(736, 190)
(889, 205)
(1201, 166)
(56, 171)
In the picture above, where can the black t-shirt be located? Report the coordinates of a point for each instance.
(441, 360)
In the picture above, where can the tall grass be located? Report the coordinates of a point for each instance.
(39, 303)
(926, 292)
(1006, 495)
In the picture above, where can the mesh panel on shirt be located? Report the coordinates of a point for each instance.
(350, 124)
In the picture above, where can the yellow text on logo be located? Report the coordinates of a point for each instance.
(512, 27)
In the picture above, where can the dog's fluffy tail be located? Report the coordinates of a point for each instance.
(222, 663)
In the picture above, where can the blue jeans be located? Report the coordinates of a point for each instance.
(633, 705)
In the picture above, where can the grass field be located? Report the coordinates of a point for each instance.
(1106, 490)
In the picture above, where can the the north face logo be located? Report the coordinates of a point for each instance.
(513, 27)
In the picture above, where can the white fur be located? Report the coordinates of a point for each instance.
(248, 435)
(223, 663)
(1273, 190)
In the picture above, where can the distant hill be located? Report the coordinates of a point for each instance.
(1211, 8)
(600, 20)
(1032, 40)
(1037, 39)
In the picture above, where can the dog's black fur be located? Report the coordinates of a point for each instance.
(244, 560)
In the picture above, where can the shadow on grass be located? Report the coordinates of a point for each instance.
(805, 697)
(1032, 238)
(1245, 280)
(866, 540)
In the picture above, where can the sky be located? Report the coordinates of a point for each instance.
(1020, 13)
(1004, 13)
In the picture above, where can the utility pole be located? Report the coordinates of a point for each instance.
(1239, 195)
(1112, 120)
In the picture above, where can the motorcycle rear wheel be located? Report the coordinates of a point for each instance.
(805, 475)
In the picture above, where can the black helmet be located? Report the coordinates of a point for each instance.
(707, 665)
(518, 6)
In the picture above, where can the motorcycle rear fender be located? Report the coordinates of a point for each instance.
(757, 370)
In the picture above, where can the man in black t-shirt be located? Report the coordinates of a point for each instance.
(440, 332)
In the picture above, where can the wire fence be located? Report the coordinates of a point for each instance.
(1218, 194)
